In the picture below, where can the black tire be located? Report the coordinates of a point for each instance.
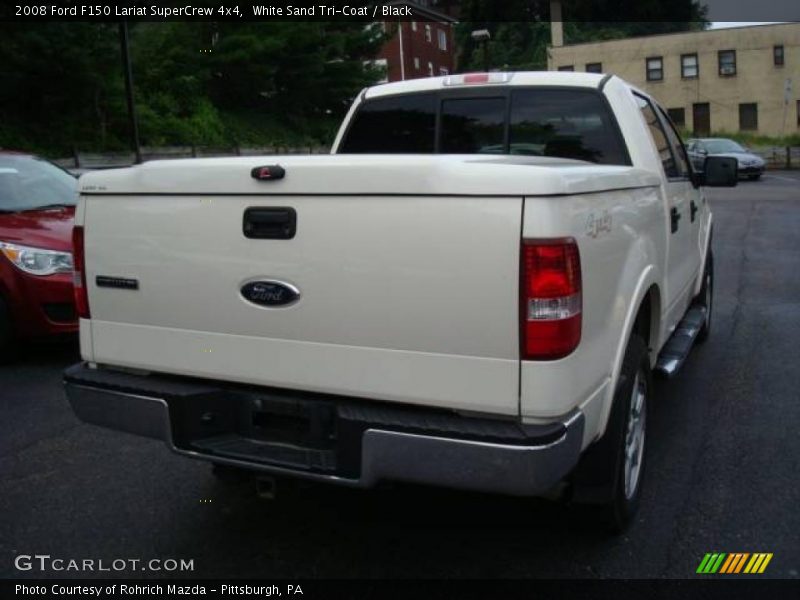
(602, 477)
(6, 333)
(755, 177)
(706, 298)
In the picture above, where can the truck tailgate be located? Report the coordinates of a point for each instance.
(406, 298)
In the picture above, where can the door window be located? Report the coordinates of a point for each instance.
(659, 136)
(682, 160)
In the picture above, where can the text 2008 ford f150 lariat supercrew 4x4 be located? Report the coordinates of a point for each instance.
(470, 292)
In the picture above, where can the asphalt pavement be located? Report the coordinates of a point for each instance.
(724, 458)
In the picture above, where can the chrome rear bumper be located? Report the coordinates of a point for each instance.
(457, 453)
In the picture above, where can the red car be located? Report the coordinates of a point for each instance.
(37, 208)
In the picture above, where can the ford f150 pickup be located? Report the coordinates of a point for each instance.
(471, 291)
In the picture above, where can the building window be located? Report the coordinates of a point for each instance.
(689, 66)
(566, 68)
(416, 63)
(748, 117)
(594, 67)
(430, 69)
(443, 71)
(777, 55)
(677, 116)
(442, 39)
(727, 62)
(413, 25)
(428, 33)
(655, 68)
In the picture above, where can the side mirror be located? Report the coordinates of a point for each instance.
(720, 171)
(702, 151)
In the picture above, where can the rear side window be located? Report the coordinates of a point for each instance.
(565, 124)
(473, 126)
(393, 125)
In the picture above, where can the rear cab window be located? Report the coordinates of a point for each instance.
(393, 125)
(555, 122)
(473, 126)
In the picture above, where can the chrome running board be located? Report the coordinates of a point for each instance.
(678, 346)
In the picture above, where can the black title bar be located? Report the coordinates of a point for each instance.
(393, 10)
(604, 589)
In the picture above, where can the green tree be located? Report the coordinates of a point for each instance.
(172, 74)
(521, 28)
(300, 73)
(59, 83)
(205, 83)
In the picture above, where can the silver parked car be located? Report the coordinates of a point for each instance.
(751, 165)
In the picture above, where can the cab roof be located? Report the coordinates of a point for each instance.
(521, 78)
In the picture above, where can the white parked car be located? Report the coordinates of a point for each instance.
(471, 291)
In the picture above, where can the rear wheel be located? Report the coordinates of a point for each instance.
(706, 298)
(755, 177)
(611, 473)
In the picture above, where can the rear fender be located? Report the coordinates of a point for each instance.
(649, 276)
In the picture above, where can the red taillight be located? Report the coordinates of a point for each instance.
(79, 274)
(551, 300)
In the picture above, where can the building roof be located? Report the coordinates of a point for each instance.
(699, 32)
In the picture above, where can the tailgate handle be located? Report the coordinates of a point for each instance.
(269, 223)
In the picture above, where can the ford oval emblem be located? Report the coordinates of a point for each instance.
(270, 293)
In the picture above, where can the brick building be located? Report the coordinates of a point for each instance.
(422, 48)
(744, 79)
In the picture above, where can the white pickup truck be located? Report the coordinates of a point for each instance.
(471, 291)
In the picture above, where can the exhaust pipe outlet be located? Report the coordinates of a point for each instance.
(266, 487)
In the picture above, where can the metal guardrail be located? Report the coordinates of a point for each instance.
(779, 157)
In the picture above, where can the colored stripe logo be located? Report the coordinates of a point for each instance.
(734, 563)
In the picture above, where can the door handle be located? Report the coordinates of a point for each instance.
(674, 217)
(693, 210)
